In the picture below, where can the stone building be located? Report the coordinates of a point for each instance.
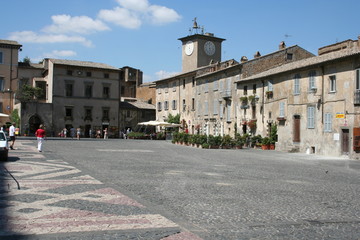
(315, 102)
(77, 94)
(206, 97)
(9, 52)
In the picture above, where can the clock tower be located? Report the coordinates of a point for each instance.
(199, 50)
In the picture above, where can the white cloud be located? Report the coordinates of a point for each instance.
(132, 13)
(135, 5)
(32, 37)
(164, 74)
(122, 17)
(60, 54)
(78, 24)
(162, 15)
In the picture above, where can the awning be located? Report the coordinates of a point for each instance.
(4, 115)
(159, 123)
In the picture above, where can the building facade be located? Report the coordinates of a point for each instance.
(9, 52)
(314, 102)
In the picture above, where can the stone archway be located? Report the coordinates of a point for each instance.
(34, 123)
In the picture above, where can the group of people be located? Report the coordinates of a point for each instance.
(13, 131)
(73, 133)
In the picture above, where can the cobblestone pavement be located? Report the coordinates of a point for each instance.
(129, 189)
(57, 201)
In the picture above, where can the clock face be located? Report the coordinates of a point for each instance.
(209, 48)
(189, 48)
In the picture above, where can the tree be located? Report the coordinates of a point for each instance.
(14, 117)
(28, 93)
(27, 60)
(173, 119)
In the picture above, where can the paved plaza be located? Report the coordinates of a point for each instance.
(140, 189)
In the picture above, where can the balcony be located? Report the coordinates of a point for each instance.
(226, 94)
(357, 97)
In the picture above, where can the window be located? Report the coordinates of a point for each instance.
(1, 58)
(88, 90)
(42, 86)
(174, 86)
(106, 75)
(332, 80)
(183, 105)
(68, 89)
(68, 113)
(216, 107)
(245, 90)
(281, 109)
(166, 88)
(254, 88)
(184, 83)
(128, 113)
(159, 106)
(2, 84)
(270, 85)
(88, 114)
(193, 81)
(122, 90)
(221, 86)
(159, 90)
(221, 110)
(206, 108)
(312, 78)
(297, 84)
(105, 114)
(215, 85)
(199, 108)
(173, 104)
(106, 92)
(1, 107)
(311, 117)
(193, 104)
(166, 105)
(22, 82)
(289, 56)
(327, 122)
(357, 79)
(88, 74)
(69, 72)
(206, 86)
(228, 111)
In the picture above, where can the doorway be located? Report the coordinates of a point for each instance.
(34, 123)
(296, 130)
(345, 141)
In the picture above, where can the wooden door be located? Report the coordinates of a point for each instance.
(296, 130)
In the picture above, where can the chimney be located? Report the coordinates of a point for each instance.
(282, 45)
(257, 54)
(358, 41)
(243, 59)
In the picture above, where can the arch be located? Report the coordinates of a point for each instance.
(34, 123)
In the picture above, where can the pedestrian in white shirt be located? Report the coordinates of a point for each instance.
(12, 135)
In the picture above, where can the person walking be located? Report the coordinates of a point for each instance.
(78, 132)
(40, 135)
(12, 135)
(105, 133)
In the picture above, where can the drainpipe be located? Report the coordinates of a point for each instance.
(263, 101)
(322, 94)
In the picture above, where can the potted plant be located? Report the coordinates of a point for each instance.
(273, 136)
(252, 99)
(226, 142)
(238, 142)
(265, 143)
(205, 145)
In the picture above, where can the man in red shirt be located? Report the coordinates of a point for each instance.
(40, 135)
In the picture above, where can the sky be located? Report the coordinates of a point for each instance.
(144, 34)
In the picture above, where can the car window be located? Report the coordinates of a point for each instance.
(2, 136)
